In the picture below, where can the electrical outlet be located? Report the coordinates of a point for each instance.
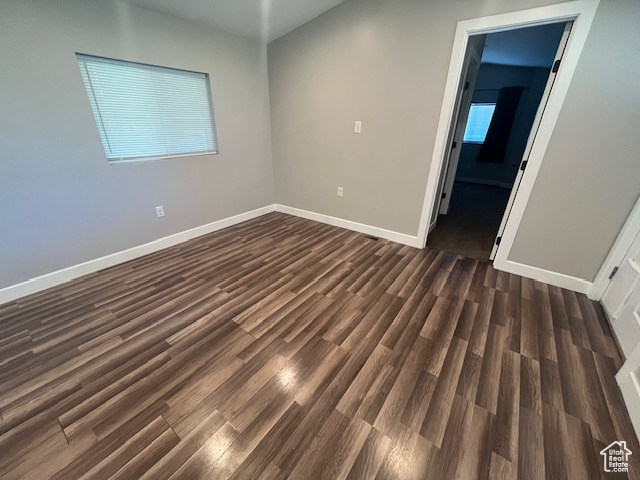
(160, 211)
(339, 191)
(358, 127)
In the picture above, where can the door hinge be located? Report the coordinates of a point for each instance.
(454, 145)
(444, 194)
(466, 86)
(613, 272)
(556, 66)
(498, 240)
(523, 165)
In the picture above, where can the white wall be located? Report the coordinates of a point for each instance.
(62, 204)
(385, 63)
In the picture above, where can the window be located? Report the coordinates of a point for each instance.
(145, 112)
(478, 122)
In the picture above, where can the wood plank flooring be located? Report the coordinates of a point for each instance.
(285, 348)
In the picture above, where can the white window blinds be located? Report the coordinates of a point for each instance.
(144, 111)
(480, 116)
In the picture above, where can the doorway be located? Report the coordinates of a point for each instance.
(507, 78)
(581, 13)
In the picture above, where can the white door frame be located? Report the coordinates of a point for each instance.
(533, 132)
(617, 254)
(628, 383)
(466, 98)
(581, 12)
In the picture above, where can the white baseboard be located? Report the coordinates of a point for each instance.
(482, 181)
(410, 240)
(547, 276)
(49, 280)
(58, 277)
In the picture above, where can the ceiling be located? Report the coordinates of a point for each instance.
(524, 47)
(263, 20)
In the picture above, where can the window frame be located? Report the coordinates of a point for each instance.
(474, 142)
(134, 159)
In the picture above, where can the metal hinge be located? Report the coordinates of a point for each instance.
(466, 86)
(613, 272)
(444, 194)
(454, 145)
(556, 66)
(523, 165)
(498, 240)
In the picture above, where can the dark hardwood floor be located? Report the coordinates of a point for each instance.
(287, 348)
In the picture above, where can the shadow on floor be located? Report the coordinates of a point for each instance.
(473, 220)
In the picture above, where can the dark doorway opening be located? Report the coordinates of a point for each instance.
(495, 123)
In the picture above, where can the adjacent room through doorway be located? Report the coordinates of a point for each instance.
(506, 79)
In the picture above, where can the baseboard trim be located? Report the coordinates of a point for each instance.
(547, 276)
(482, 181)
(405, 239)
(58, 277)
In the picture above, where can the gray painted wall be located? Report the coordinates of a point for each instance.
(590, 178)
(369, 60)
(386, 62)
(491, 78)
(62, 204)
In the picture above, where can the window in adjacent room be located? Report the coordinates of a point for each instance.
(478, 122)
(147, 112)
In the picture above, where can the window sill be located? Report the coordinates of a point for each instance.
(118, 161)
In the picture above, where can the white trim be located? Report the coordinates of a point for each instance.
(628, 383)
(581, 12)
(49, 280)
(58, 277)
(482, 181)
(470, 72)
(547, 276)
(548, 88)
(621, 246)
(118, 161)
(410, 240)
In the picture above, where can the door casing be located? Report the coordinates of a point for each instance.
(470, 73)
(551, 80)
(621, 303)
(621, 246)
